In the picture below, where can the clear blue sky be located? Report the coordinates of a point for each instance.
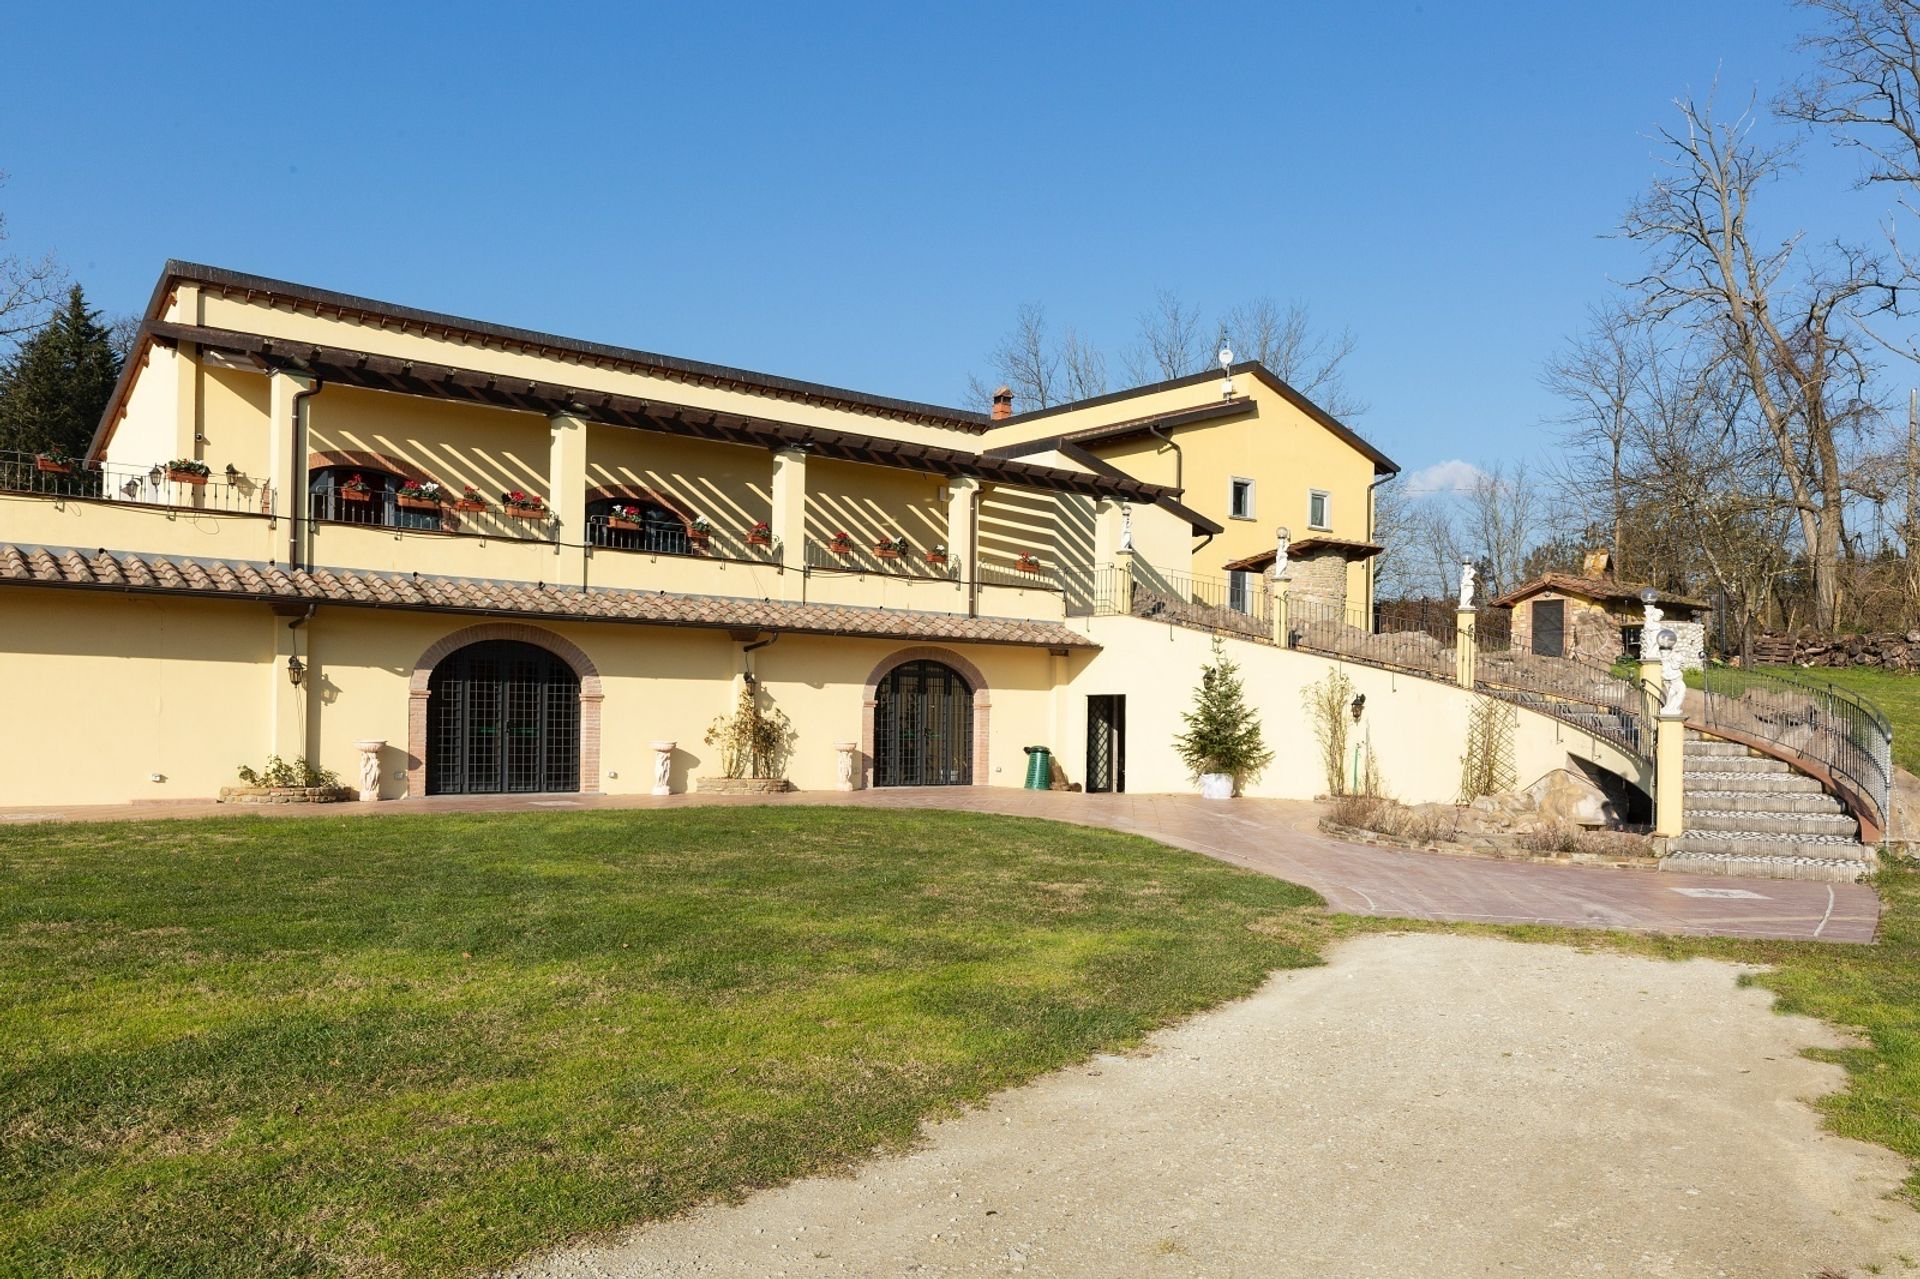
(862, 195)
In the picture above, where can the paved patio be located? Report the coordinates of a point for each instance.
(1276, 837)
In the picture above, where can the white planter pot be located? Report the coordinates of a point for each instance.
(1216, 785)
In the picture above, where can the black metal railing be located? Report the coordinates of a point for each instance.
(860, 557)
(1603, 699)
(155, 485)
(1046, 577)
(379, 510)
(1401, 641)
(1238, 604)
(1806, 715)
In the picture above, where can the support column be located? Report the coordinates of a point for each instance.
(1669, 776)
(1282, 588)
(1652, 691)
(790, 518)
(287, 460)
(963, 534)
(1123, 582)
(1466, 647)
(567, 492)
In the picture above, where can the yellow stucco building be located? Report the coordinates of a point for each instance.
(319, 525)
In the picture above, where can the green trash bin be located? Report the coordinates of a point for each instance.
(1039, 768)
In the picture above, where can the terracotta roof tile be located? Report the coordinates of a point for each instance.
(242, 579)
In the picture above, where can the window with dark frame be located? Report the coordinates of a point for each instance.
(1240, 499)
(1318, 514)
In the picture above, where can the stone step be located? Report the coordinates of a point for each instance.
(1731, 797)
(1787, 783)
(1738, 764)
(1747, 866)
(1758, 844)
(1746, 822)
(1711, 749)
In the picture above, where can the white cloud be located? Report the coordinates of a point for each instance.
(1450, 476)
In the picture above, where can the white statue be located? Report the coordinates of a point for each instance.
(846, 750)
(1671, 676)
(1126, 527)
(1467, 575)
(1283, 542)
(1649, 628)
(370, 767)
(663, 767)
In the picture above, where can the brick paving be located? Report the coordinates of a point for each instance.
(1276, 837)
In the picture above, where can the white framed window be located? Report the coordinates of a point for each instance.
(1240, 498)
(1237, 583)
(1319, 509)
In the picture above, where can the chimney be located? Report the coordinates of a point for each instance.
(1003, 404)
(1598, 565)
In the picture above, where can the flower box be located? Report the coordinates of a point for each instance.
(629, 526)
(349, 495)
(1027, 564)
(936, 557)
(49, 465)
(887, 552)
(469, 504)
(840, 548)
(528, 512)
(759, 539)
(416, 503)
(699, 536)
(187, 477)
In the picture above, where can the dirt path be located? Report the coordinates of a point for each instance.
(1424, 1105)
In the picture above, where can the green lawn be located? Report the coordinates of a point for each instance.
(427, 1045)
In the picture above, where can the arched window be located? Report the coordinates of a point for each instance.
(363, 495)
(637, 524)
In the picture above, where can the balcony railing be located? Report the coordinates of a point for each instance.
(1399, 640)
(154, 485)
(859, 558)
(1209, 603)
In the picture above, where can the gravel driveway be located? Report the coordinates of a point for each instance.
(1423, 1105)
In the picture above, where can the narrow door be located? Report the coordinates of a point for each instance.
(1107, 742)
(1550, 628)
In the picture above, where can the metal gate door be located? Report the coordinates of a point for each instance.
(1106, 742)
(1550, 628)
(502, 716)
(923, 727)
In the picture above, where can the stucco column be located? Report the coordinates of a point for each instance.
(790, 515)
(1282, 590)
(287, 459)
(1652, 691)
(1466, 647)
(567, 491)
(1669, 776)
(963, 529)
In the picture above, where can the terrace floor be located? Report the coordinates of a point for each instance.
(1276, 837)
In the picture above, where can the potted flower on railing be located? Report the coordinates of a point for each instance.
(55, 462)
(419, 495)
(890, 550)
(624, 517)
(186, 470)
(938, 555)
(761, 534)
(1027, 563)
(699, 530)
(356, 489)
(522, 505)
(841, 543)
(469, 500)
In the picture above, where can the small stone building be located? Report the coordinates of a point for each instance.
(1594, 616)
(1317, 570)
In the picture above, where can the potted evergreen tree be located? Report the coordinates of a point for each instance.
(1222, 746)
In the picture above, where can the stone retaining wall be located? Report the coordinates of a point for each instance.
(285, 794)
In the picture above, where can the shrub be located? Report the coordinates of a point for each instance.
(752, 742)
(1327, 704)
(278, 772)
(1223, 733)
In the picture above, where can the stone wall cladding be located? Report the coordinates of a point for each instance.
(741, 785)
(285, 795)
(1890, 649)
(1321, 577)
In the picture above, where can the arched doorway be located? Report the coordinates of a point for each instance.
(502, 716)
(923, 726)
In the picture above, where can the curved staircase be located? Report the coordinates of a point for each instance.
(1752, 815)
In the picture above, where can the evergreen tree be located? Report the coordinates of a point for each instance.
(55, 387)
(1223, 733)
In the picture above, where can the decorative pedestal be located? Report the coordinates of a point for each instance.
(663, 767)
(846, 750)
(370, 767)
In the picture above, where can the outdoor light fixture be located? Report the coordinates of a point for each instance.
(1359, 704)
(296, 671)
(233, 472)
(1649, 596)
(155, 474)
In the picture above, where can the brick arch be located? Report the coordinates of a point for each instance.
(639, 493)
(591, 694)
(982, 704)
(366, 461)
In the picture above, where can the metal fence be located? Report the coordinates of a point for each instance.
(1407, 641)
(1842, 730)
(856, 557)
(1235, 604)
(154, 485)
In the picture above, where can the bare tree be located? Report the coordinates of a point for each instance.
(1083, 369)
(1284, 339)
(1026, 360)
(28, 287)
(1601, 377)
(1783, 321)
(1169, 343)
(1502, 524)
(1866, 83)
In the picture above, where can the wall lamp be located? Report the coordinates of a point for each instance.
(1359, 704)
(296, 670)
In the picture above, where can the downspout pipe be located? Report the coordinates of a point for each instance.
(1373, 562)
(1179, 459)
(298, 516)
(746, 660)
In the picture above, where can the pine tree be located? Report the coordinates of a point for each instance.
(55, 387)
(1223, 733)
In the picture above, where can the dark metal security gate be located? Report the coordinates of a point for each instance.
(923, 727)
(502, 716)
(1106, 742)
(1549, 628)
